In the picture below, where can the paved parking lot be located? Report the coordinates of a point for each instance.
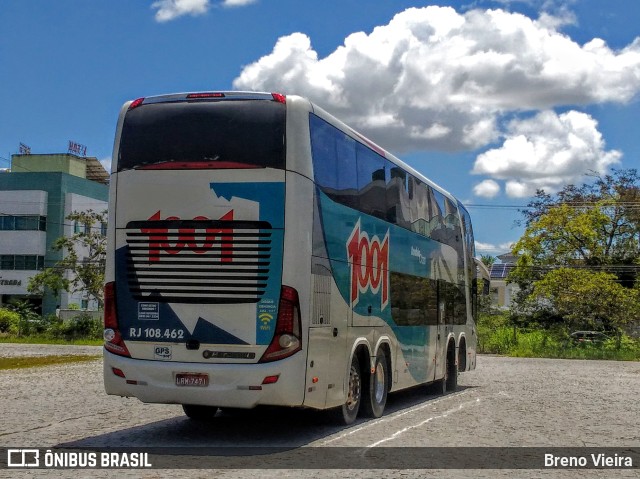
(506, 402)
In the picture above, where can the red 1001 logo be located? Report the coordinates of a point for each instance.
(221, 238)
(369, 262)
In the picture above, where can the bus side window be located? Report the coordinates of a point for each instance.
(373, 171)
(334, 161)
(414, 300)
(398, 202)
(419, 207)
(436, 218)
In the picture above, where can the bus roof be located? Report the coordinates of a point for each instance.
(312, 107)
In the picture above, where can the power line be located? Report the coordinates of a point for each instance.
(586, 204)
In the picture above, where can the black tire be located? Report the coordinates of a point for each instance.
(348, 413)
(375, 395)
(451, 370)
(462, 356)
(438, 387)
(199, 413)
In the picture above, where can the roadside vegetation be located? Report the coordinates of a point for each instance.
(577, 269)
(497, 334)
(20, 324)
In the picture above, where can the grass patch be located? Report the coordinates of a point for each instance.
(21, 362)
(495, 336)
(44, 339)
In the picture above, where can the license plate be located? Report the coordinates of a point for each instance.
(197, 380)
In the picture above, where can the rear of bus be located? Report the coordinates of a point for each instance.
(196, 311)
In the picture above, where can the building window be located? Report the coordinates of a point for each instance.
(23, 223)
(30, 262)
(81, 228)
(21, 262)
(7, 261)
(7, 223)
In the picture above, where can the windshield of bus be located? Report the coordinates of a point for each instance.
(204, 134)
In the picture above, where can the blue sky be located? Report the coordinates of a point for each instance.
(490, 99)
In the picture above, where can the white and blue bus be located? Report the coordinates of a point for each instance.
(261, 252)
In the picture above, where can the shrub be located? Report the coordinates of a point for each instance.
(9, 321)
(81, 326)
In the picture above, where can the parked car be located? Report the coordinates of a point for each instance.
(593, 337)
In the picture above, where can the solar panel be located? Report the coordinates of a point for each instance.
(500, 270)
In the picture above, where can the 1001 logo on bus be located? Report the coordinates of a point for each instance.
(369, 262)
(190, 239)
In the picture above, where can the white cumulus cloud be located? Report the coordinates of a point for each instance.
(487, 189)
(546, 151)
(171, 9)
(237, 3)
(433, 78)
(490, 248)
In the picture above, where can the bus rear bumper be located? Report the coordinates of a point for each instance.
(229, 385)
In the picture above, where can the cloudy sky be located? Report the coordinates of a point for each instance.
(490, 99)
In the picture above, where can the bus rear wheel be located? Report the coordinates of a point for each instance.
(349, 410)
(451, 377)
(199, 413)
(375, 396)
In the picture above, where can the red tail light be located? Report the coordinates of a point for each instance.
(113, 341)
(279, 97)
(136, 103)
(287, 339)
(199, 96)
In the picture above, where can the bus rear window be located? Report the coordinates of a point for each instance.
(218, 134)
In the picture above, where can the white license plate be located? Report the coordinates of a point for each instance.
(197, 380)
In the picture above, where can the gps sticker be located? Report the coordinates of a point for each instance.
(162, 352)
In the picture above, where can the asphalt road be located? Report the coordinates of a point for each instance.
(506, 402)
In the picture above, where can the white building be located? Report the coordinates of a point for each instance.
(502, 293)
(36, 196)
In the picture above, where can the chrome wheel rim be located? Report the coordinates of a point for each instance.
(353, 395)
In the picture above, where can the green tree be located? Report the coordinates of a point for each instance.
(488, 260)
(596, 224)
(591, 230)
(83, 264)
(587, 299)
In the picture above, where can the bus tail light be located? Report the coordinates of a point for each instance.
(279, 97)
(136, 103)
(287, 339)
(113, 341)
(202, 96)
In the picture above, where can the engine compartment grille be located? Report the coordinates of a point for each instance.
(198, 261)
